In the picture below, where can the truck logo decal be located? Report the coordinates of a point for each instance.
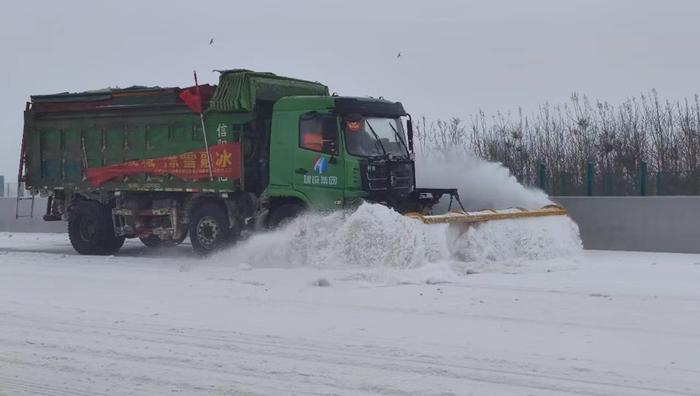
(321, 165)
(192, 165)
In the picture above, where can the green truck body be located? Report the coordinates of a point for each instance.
(138, 162)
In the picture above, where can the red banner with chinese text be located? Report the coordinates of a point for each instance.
(192, 165)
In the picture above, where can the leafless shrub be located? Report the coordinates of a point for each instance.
(615, 139)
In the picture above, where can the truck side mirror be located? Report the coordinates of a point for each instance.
(329, 147)
(409, 132)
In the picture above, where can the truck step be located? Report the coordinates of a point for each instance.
(18, 212)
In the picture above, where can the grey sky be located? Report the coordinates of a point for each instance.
(457, 56)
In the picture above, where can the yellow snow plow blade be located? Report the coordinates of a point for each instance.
(462, 217)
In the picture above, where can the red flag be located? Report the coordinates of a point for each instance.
(192, 97)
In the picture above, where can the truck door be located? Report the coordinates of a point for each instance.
(318, 166)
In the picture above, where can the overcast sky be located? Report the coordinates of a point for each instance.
(457, 56)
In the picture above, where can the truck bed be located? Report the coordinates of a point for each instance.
(131, 139)
(146, 138)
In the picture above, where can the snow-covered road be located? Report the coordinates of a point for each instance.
(163, 322)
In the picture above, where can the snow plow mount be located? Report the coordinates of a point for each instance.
(464, 217)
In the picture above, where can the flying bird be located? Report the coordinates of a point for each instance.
(399, 55)
(211, 41)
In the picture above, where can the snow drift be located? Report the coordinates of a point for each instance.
(371, 236)
(375, 236)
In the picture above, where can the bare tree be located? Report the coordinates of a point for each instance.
(615, 139)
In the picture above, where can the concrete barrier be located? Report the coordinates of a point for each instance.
(656, 224)
(27, 224)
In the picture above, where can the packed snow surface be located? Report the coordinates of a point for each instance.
(266, 319)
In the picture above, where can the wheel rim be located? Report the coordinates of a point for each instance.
(87, 229)
(208, 232)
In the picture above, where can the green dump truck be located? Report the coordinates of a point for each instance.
(218, 162)
(139, 162)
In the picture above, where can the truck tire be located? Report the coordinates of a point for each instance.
(209, 228)
(283, 215)
(114, 243)
(90, 229)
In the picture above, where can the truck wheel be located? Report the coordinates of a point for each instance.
(283, 215)
(114, 243)
(91, 231)
(209, 228)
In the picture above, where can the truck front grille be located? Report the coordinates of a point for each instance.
(391, 177)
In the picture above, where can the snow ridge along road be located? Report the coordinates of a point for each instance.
(149, 322)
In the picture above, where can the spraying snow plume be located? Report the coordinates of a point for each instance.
(371, 236)
(481, 184)
(375, 237)
(512, 243)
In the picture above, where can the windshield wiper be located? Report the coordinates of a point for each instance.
(376, 137)
(399, 136)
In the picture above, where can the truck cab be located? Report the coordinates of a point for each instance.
(330, 153)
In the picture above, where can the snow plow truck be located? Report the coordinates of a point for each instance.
(216, 162)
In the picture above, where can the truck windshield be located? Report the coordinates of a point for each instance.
(374, 136)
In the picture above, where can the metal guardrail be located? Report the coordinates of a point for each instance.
(590, 181)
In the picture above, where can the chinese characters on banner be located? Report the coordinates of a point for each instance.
(190, 166)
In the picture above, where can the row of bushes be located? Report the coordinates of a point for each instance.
(615, 139)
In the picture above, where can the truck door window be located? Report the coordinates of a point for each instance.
(318, 132)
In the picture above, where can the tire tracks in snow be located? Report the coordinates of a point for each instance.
(334, 363)
(15, 386)
(489, 317)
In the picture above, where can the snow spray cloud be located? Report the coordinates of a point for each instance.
(375, 237)
(512, 243)
(371, 236)
(481, 184)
